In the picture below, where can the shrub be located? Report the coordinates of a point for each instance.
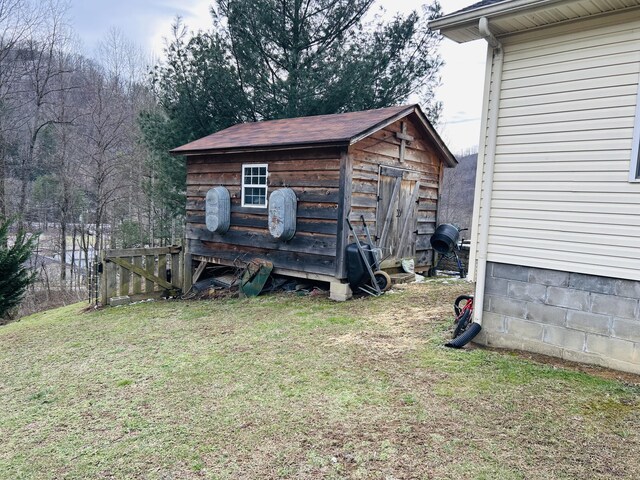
(15, 277)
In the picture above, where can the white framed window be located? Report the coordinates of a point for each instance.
(254, 185)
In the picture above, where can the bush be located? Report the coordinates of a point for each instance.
(14, 276)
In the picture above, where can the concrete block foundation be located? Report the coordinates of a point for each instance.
(577, 317)
(340, 292)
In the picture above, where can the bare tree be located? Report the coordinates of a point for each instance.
(17, 19)
(40, 82)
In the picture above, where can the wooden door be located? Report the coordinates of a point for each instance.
(397, 213)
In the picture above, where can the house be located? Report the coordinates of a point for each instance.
(556, 248)
(281, 191)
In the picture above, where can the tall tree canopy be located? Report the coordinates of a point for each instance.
(266, 59)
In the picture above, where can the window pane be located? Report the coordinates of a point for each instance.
(255, 196)
(262, 180)
(263, 170)
(247, 179)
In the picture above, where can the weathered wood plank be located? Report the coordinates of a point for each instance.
(187, 268)
(196, 275)
(427, 228)
(309, 244)
(129, 266)
(364, 201)
(423, 242)
(328, 227)
(392, 151)
(149, 266)
(346, 192)
(137, 280)
(327, 212)
(409, 221)
(423, 260)
(133, 252)
(110, 270)
(307, 165)
(308, 179)
(361, 175)
(365, 187)
(162, 267)
(388, 211)
(176, 271)
(227, 254)
(125, 276)
(368, 160)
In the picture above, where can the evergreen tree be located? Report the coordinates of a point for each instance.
(312, 57)
(14, 276)
(267, 59)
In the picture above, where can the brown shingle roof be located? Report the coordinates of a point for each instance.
(319, 129)
(336, 129)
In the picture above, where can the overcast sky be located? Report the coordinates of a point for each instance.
(147, 22)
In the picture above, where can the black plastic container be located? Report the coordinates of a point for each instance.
(357, 273)
(445, 238)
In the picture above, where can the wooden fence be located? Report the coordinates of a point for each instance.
(140, 273)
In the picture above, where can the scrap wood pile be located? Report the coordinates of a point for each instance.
(249, 279)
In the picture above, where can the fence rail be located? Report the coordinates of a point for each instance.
(140, 273)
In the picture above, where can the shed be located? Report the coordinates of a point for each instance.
(556, 243)
(385, 165)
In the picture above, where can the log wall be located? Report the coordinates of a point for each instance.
(315, 177)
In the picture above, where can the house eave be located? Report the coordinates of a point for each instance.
(520, 15)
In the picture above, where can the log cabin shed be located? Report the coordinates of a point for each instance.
(385, 165)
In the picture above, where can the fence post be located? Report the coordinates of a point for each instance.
(111, 279)
(187, 269)
(103, 280)
(137, 279)
(175, 268)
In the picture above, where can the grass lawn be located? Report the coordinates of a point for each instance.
(298, 387)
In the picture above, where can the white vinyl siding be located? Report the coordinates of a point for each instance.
(561, 195)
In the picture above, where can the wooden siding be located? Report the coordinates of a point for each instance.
(313, 175)
(561, 196)
(383, 149)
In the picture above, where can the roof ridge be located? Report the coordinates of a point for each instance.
(323, 115)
